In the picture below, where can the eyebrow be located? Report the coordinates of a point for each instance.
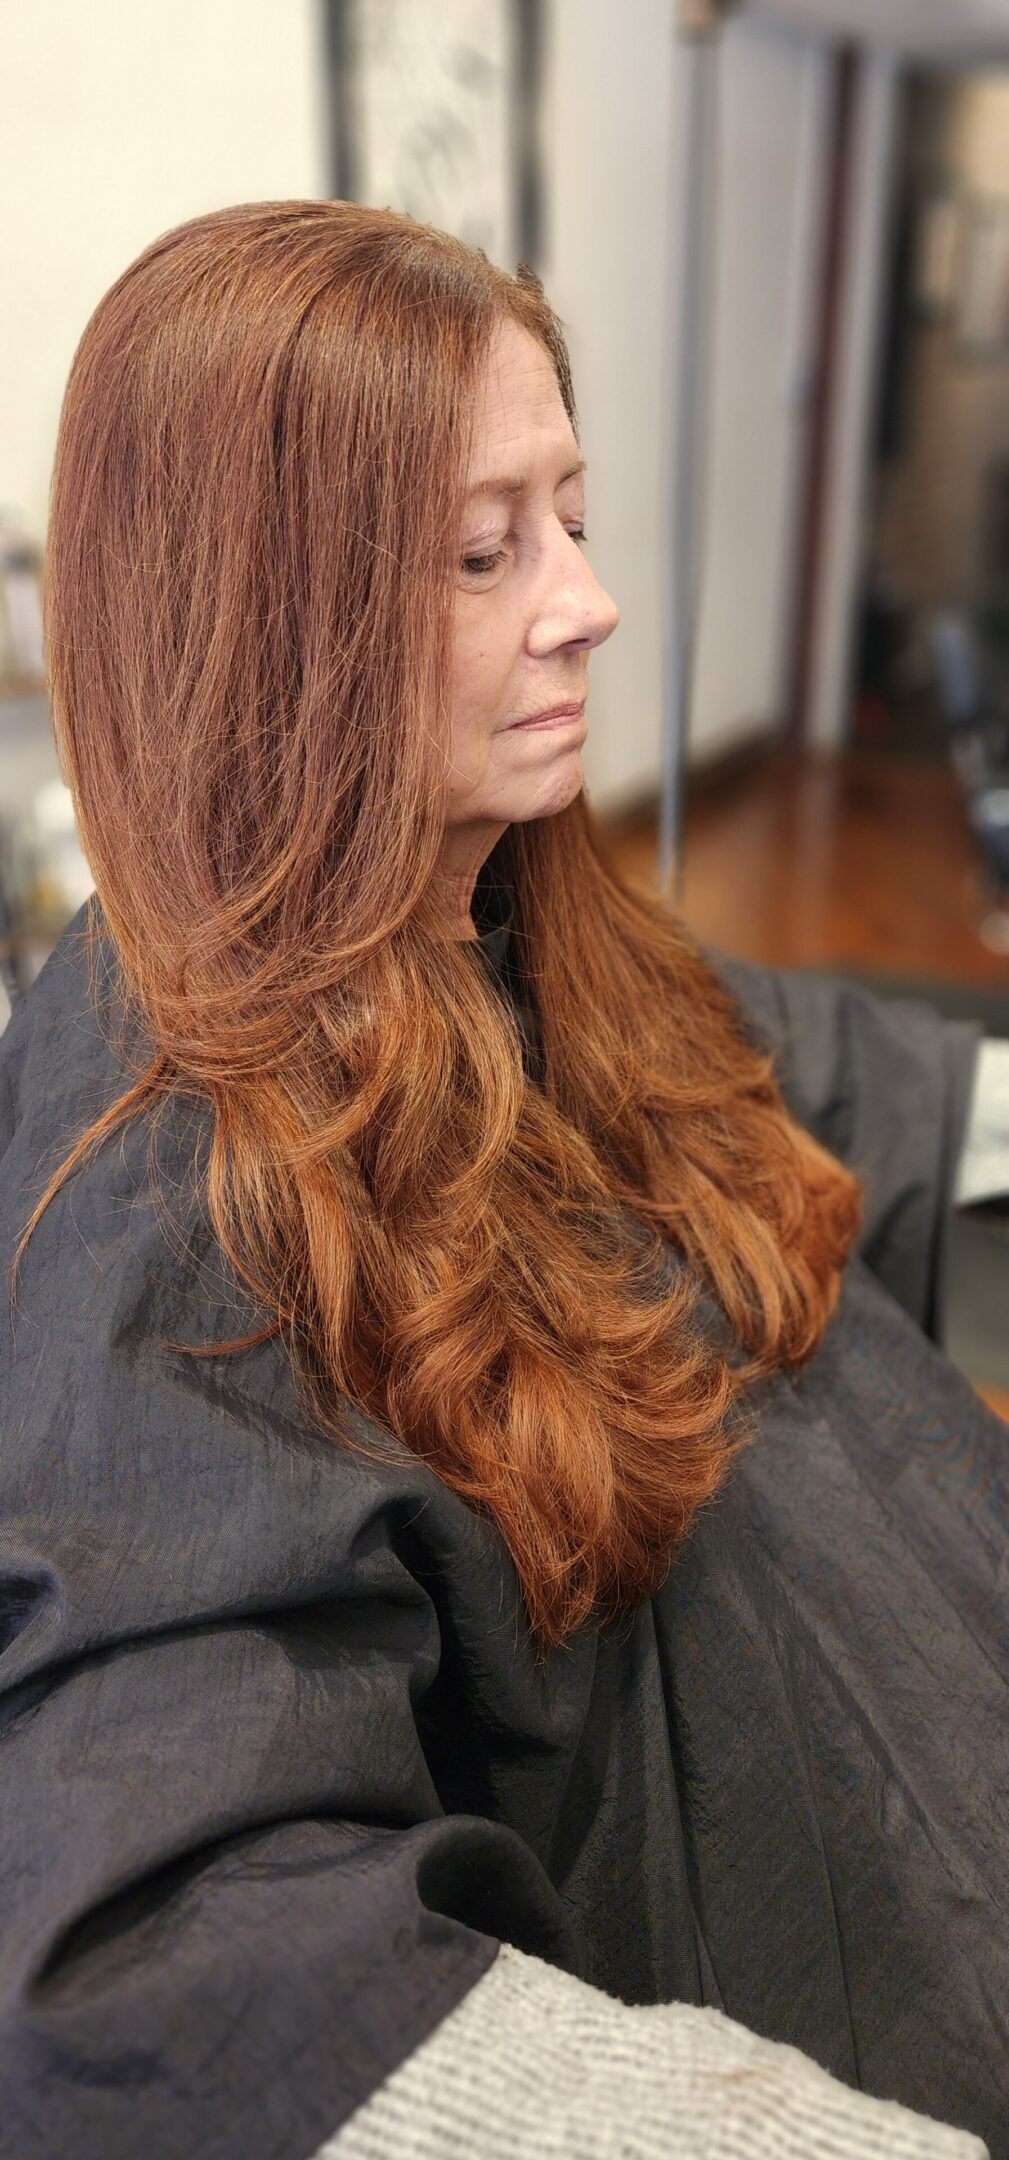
(506, 484)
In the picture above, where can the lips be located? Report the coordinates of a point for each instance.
(553, 712)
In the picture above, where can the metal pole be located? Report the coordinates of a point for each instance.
(695, 58)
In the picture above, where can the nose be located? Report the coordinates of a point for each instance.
(576, 609)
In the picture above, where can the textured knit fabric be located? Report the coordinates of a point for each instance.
(534, 2065)
(279, 1774)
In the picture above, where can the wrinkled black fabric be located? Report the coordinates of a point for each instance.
(278, 1769)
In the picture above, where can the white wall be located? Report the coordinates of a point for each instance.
(609, 153)
(771, 176)
(120, 121)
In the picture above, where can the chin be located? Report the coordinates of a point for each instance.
(559, 788)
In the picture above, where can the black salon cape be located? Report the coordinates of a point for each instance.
(279, 1772)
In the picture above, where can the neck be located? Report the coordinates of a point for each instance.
(463, 857)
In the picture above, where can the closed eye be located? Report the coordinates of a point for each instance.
(482, 565)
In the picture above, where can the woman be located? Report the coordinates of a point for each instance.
(502, 1591)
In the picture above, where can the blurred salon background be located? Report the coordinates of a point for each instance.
(778, 234)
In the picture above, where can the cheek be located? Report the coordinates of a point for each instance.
(474, 725)
(487, 651)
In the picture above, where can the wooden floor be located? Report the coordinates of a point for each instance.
(861, 860)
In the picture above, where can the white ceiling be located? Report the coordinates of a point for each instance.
(926, 29)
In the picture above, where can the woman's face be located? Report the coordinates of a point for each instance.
(528, 609)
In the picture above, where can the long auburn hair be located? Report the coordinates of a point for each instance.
(250, 571)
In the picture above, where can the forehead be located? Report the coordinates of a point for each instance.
(519, 418)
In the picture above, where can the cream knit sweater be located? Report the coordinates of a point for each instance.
(534, 2064)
